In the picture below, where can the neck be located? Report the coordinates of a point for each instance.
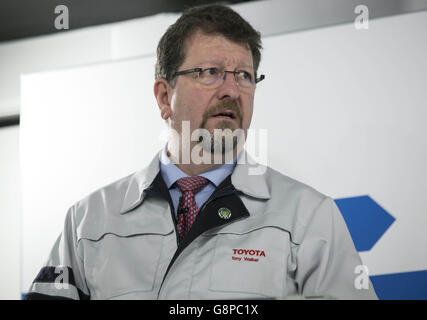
(196, 169)
(208, 162)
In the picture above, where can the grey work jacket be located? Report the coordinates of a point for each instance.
(283, 238)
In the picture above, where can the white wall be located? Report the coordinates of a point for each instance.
(346, 112)
(10, 214)
(138, 37)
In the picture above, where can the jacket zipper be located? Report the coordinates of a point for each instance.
(226, 191)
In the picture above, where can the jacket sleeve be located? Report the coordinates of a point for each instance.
(327, 261)
(62, 276)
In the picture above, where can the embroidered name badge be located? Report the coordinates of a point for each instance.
(250, 255)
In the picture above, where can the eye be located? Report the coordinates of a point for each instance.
(244, 75)
(209, 72)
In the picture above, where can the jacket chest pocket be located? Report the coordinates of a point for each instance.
(122, 263)
(253, 262)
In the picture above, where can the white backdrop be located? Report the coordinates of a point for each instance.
(345, 112)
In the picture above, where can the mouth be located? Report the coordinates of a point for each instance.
(225, 114)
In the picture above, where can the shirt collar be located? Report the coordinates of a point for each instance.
(171, 173)
(248, 177)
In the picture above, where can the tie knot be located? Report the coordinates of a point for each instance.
(193, 184)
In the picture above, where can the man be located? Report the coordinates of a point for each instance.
(197, 223)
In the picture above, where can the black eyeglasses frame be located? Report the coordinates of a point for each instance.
(179, 73)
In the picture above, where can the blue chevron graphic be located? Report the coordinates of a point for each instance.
(366, 220)
(402, 286)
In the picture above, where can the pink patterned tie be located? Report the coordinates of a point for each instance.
(187, 208)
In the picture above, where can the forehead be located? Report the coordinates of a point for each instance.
(201, 48)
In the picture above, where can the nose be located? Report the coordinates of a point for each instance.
(229, 87)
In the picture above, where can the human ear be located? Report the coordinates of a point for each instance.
(161, 93)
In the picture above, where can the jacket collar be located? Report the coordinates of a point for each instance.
(248, 177)
(139, 182)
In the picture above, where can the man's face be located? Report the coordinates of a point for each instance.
(194, 102)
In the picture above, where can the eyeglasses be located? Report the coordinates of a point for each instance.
(215, 77)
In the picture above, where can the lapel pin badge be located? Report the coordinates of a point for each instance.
(224, 213)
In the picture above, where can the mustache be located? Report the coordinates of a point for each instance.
(229, 104)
